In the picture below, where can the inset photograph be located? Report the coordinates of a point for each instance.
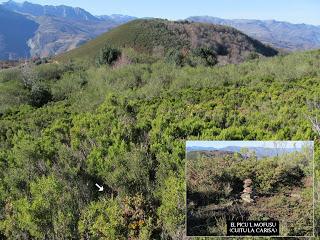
(234, 186)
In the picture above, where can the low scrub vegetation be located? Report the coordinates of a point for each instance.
(65, 127)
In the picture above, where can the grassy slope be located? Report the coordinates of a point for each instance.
(118, 36)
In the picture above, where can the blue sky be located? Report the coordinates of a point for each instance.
(266, 144)
(295, 11)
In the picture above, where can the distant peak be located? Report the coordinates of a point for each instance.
(12, 2)
(74, 13)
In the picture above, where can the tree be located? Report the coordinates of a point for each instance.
(313, 116)
(29, 76)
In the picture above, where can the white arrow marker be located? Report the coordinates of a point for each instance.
(100, 188)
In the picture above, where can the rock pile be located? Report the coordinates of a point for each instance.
(247, 191)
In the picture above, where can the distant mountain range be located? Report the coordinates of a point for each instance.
(15, 31)
(28, 30)
(50, 30)
(259, 151)
(47, 10)
(117, 18)
(281, 35)
(62, 11)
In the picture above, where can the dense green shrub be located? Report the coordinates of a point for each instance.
(102, 220)
(39, 95)
(10, 75)
(253, 55)
(108, 55)
(49, 72)
(208, 54)
(70, 83)
(175, 56)
(39, 61)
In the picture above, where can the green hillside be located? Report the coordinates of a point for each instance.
(158, 36)
(124, 127)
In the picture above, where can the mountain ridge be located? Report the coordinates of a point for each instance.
(279, 34)
(259, 151)
(55, 35)
(14, 43)
(64, 11)
(117, 18)
(59, 28)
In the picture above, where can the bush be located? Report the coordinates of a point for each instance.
(29, 76)
(253, 55)
(175, 56)
(39, 61)
(103, 219)
(108, 55)
(9, 75)
(39, 95)
(51, 71)
(208, 54)
(135, 57)
(69, 84)
(172, 209)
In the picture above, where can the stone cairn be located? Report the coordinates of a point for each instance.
(247, 191)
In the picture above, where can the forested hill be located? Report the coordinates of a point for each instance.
(159, 37)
